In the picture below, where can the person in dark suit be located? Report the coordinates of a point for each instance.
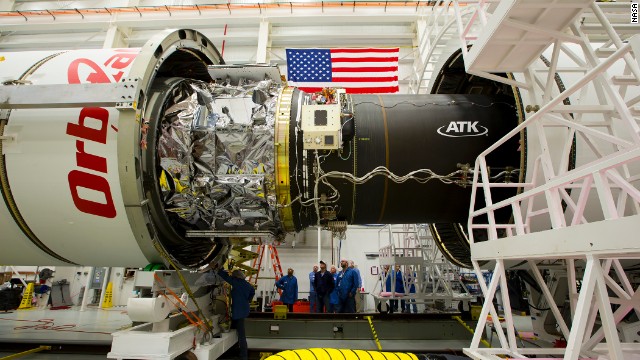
(324, 286)
(241, 294)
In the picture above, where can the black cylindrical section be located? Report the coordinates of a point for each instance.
(405, 133)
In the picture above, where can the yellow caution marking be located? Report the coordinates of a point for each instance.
(373, 331)
(458, 319)
(108, 296)
(27, 298)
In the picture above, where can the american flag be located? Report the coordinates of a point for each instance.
(358, 70)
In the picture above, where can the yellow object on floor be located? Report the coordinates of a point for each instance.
(280, 312)
(108, 296)
(346, 354)
(475, 312)
(375, 334)
(27, 297)
(466, 326)
(28, 352)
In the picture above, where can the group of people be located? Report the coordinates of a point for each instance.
(331, 291)
(398, 287)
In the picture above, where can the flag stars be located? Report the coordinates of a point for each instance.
(312, 65)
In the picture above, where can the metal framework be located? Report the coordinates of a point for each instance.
(585, 217)
(422, 264)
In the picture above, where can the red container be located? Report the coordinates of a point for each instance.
(301, 307)
(274, 303)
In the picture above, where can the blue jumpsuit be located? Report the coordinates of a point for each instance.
(289, 286)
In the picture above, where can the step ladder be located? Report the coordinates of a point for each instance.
(272, 251)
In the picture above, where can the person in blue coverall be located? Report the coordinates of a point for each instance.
(347, 289)
(333, 298)
(399, 288)
(411, 281)
(388, 275)
(312, 289)
(289, 286)
(353, 267)
(241, 294)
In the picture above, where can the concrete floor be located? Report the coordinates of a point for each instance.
(45, 327)
(92, 327)
(70, 326)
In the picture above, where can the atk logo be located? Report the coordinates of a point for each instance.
(463, 129)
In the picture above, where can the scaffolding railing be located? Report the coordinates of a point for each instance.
(579, 211)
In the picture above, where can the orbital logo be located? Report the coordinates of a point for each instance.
(462, 129)
(88, 182)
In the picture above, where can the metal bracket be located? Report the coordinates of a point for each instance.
(4, 114)
(122, 95)
(227, 233)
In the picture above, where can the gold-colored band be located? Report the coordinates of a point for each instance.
(283, 185)
(443, 247)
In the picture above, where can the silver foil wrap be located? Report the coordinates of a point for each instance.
(216, 151)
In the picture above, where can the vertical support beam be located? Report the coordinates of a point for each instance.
(106, 279)
(493, 233)
(264, 43)
(87, 286)
(116, 37)
(517, 219)
(546, 96)
(463, 41)
(319, 245)
(606, 315)
(605, 196)
(421, 44)
(506, 303)
(472, 204)
(573, 285)
(635, 46)
(582, 200)
(574, 343)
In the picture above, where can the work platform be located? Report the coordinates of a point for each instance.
(518, 31)
(577, 63)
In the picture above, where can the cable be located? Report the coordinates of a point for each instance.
(348, 156)
(164, 254)
(380, 170)
(539, 309)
